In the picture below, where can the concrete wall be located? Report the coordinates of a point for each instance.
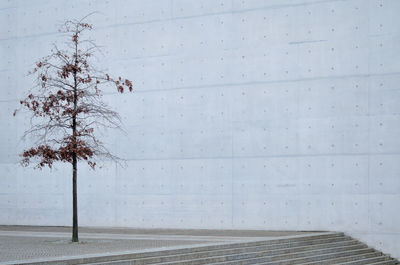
(254, 114)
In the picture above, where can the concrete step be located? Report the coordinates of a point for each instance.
(260, 257)
(269, 244)
(391, 262)
(274, 249)
(303, 260)
(364, 259)
(328, 258)
(286, 253)
(342, 260)
(331, 248)
(375, 260)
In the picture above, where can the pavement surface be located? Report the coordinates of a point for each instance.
(20, 243)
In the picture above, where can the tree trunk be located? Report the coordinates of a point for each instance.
(74, 201)
(74, 180)
(74, 158)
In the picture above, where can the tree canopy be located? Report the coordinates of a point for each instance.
(66, 102)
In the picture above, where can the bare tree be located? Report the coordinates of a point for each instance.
(66, 107)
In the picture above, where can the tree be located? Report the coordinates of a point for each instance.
(66, 107)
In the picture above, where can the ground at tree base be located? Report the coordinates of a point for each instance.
(18, 243)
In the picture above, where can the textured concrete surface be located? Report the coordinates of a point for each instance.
(304, 248)
(23, 243)
(117, 231)
(248, 114)
(26, 247)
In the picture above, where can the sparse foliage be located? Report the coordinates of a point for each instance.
(66, 106)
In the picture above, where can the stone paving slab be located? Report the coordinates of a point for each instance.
(22, 243)
(23, 248)
(155, 231)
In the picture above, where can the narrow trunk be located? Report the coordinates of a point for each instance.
(74, 201)
(74, 158)
(74, 180)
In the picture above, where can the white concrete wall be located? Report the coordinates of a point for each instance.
(253, 114)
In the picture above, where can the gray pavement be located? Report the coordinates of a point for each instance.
(18, 243)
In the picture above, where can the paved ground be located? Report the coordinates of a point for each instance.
(155, 231)
(23, 248)
(27, 242)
